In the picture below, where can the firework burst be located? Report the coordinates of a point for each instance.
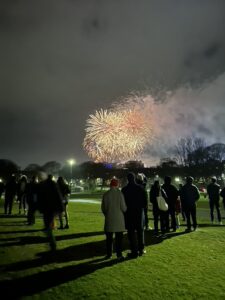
(118, 134)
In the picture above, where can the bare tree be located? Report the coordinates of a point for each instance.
(216, 152)
(190, 151)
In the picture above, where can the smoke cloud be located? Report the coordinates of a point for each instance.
(62, 60)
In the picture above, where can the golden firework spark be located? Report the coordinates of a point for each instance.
(118, 134)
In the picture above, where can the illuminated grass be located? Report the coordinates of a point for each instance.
(181, 266)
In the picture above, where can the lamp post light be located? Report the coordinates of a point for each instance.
(71, 163)
(177, 179)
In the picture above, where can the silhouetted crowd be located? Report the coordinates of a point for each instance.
(47, 196)
(124, 209)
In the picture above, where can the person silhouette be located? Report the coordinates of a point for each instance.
(142, 181)
(50, 203)
(2, 188)
(213, 191)
(21, 194)
(113, 207)
(135, 198)
(32, 199)
(10, 193)
(172, 195)
(189, 196)
(65, 191)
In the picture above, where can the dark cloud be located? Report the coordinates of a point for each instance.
(62, 60)
(212, 50)
(219, 119)
(202, 129)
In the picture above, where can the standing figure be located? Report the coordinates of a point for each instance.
(213, 191)
(21, 194)
(10, 193)
(50, 203)
(142, 181)
(178, 211)
(113, 207)
(2, 188)
(65, 191)
(32, 200)
(172, 195)
(189, 196)
(158, 215)
(222, 194)
(135, 198)
(154, 193)
(182, 211)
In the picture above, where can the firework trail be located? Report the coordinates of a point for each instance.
(118, 134)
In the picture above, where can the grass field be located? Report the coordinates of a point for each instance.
(179, 266)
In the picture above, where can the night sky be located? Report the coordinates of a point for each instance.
(62, 60)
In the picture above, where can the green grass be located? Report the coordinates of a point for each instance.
(181, 266)
(85, 195)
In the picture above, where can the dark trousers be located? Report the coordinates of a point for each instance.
(146, 217)
(22, 202)
(136, 239)
(8, 204)
(118, 243)
(173, 217)
(164, 219)
(156, 216)
(31, 214)
(48, 222)
(190, 212)
(212, 204)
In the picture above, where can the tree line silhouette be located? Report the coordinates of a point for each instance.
(191, 157)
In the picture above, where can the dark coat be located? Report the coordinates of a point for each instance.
(64, 189)
(49, 197)
(154, 193)
(10, 188)
(32, 193)
(222, 193)
(136, 199)
(172, 194)
(213, 190)
(2, 188)
(189, 195)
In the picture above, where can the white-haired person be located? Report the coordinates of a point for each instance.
(113, 207)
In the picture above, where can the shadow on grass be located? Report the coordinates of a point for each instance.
(81, 251)
(10, 220)
(69, 254)
(17, 224)
(13, 216)
(20, 231)
(210, 225)
(28, 240)
(150, 239)
(34, 284)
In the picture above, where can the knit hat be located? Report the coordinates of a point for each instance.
(114, 182)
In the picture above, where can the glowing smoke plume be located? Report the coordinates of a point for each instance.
(139, 127)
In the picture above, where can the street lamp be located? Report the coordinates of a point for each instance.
(71, 163)
(177, 179)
